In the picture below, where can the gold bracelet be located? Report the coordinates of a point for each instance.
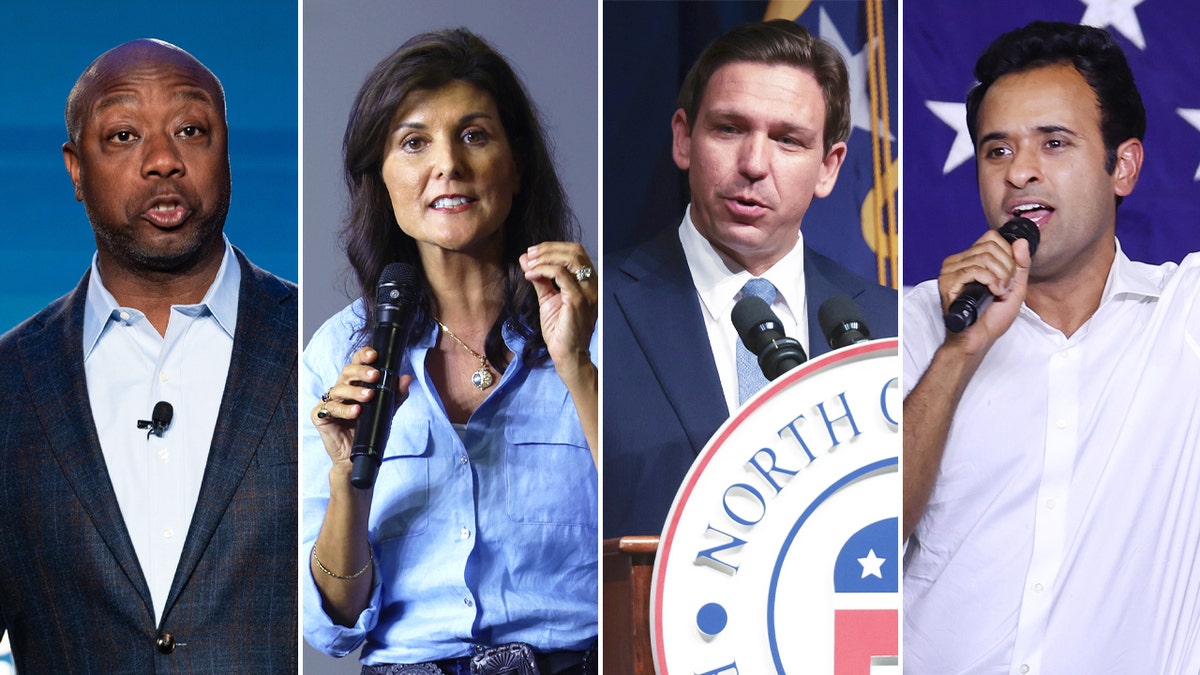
(370, 559)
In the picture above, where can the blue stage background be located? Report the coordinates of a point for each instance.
(252, 47)
(1160, 221)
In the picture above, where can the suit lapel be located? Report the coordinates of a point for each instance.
(65, 414)
(664, 316)
(263, 358)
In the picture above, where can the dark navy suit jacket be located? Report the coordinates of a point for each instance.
(72, 595)
(662, 394)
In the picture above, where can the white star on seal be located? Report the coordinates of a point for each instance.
(1118, 14)
(955, 116)
(872, 565)
(1192, 115)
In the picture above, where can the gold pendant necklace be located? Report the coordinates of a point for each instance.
(482, 378)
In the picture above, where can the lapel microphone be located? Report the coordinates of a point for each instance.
(159, 420)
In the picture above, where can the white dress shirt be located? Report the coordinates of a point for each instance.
(719, 282)
(1063, 531)
(129, 368)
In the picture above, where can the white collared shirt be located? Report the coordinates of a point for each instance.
(1063, 531)
(719, 282)
(129, 368)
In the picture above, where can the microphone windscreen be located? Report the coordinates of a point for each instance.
(838, 312)
(163, 412)
(748, 314)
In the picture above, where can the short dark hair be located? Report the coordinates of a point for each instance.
(776, 42)
(540, 211)
(1095, 55)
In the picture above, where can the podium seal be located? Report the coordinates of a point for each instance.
(781, 550)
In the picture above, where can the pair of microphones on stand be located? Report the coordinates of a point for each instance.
(840, 318)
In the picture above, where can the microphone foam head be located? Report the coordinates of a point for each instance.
(838, 312)
(749, 315)
(163, 411)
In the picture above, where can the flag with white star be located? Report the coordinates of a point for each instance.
(866, 578)
(1160, 221)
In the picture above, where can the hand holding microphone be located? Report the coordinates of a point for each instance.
(965, 309)
(366, 392)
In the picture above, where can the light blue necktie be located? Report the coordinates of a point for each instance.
(750, 375)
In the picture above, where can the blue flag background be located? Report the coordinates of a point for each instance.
(648, 49)
(1160, 221)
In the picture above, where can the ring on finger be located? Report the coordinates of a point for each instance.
(322, 412)
(326, 396)
(583, 274)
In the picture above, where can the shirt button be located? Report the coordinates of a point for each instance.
(168, 533)
(468, 602)
(1024, 667)
(463, 459)
(1061, 424)
(165, 454)
(124, 316)
(1050, 504)
(1065, 354)
(162, 377)
(1038, 588)
(464, 534)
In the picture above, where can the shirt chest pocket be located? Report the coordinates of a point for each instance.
(549, 474)
(400, 507)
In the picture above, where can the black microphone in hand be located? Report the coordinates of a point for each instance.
(763, 335)
(395, 301)
(842, 322)
(966, 308)
(159, 420)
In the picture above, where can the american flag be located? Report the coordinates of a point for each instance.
(1160, 221)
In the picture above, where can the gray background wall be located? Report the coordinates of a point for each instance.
(552, 44)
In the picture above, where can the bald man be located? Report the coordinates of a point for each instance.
(148, 418)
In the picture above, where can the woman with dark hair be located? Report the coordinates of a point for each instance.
(476, 548)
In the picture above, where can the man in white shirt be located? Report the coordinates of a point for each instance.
(148, 451)
(761, 128)
(1051, 467)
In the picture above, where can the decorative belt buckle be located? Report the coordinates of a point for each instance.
(514, 658)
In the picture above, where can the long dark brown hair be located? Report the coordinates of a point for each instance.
(539, 213)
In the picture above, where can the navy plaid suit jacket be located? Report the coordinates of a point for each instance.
(72, 595)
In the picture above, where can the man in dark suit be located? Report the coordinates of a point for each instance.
(761, 128)
(165, 544)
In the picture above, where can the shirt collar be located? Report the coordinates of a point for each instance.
(719, 279)
(220, 301)
(1127, 277)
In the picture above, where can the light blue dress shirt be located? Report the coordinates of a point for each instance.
(480, 540)
(129, 368)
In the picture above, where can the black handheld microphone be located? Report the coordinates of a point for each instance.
(842, 322)
(395, 300)
(159, 420)
(763, 335)
(966, 308)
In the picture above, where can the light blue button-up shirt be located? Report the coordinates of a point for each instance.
(483, 540)
(129, 368)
